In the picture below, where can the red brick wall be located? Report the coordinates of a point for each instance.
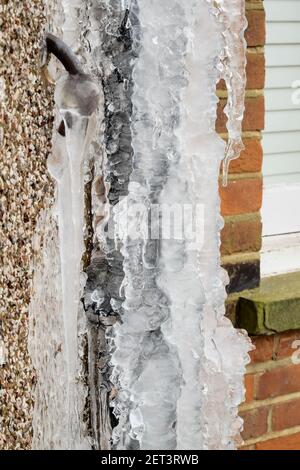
(271, 411)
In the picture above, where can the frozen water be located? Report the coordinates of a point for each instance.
(231, 16)
(110, 51)
(77, 99)
(173, 335)
(156, 306)
(60, 386)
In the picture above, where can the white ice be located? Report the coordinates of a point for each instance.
(57, 317)
(177, 362)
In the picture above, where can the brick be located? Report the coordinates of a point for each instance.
(241, 234)
(249, 386)
(243, 275)
(281, 443)
(250, 160)
(255, 34)
(255, 422)
(254, 115)
(286, 415)
(241, 196)
(263, 351)
(254, 118)
(285, 344)
(276, 382)
(273, 308)
(261, 315)
(255, 71)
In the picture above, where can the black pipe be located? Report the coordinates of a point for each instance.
(64, 54)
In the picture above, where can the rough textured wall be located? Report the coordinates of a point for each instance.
(25, 189)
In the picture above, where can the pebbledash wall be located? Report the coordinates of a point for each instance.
(271, 410)
(25, 189)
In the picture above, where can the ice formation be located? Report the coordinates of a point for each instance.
(232, 66)
(174, 359)
(77, 97)
(162, 357)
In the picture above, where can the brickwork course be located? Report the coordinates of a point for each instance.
(271, 411)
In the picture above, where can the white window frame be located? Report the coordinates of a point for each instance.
(280, 211)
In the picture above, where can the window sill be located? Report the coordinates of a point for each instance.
(272, 308)
(280, 254)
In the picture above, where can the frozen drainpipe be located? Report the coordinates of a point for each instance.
(77, 97)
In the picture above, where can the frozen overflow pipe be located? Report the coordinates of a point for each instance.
(172, 364)
(77, 97)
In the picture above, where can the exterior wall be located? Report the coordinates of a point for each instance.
(24, 191)
(271, 412)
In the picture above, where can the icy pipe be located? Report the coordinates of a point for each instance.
(77, 97)
(64, 54)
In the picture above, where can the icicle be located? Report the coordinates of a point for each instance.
(232, 17)
(77, 98)
(61, 395)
